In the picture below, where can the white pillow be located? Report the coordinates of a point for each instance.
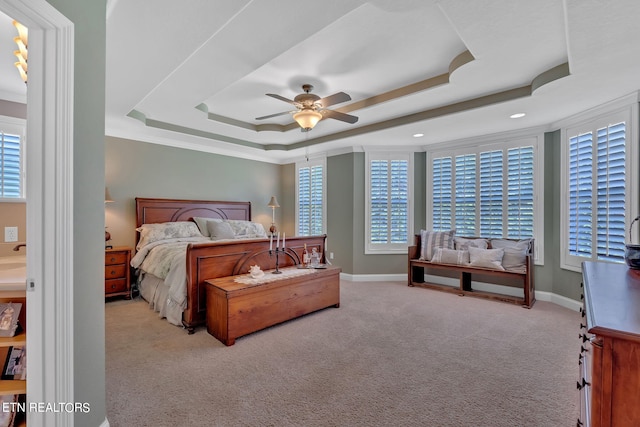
(515, 253)
(450, 256)
(464, 244)
(150, 233)
(487, 258)
(246, 229)
(202, 223)
(430, 240)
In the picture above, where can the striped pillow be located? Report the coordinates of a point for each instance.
(429, 240)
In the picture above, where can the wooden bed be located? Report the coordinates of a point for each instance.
(213, 259)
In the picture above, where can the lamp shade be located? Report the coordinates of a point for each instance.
(107, 196)
(307, 119)
(273, 203)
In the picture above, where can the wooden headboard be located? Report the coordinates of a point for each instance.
(151, 211)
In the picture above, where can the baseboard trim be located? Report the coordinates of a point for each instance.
(507, 290)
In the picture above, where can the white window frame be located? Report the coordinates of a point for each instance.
(504, 142)
(625, 109)
(311, 162)
(16, 126)
(389, 248)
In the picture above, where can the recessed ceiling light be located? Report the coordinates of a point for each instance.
(418, 135)
(517, 115)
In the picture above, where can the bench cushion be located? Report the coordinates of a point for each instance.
(515, 253)
(430, 240)
(450, 256)
(488, 258)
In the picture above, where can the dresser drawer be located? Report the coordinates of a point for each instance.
(111, 258)
(115, 271)
(115, 285)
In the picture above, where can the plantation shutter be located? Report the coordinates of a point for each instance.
(610, 177)
(491, 193)
(10, 153)
(399, 192)
(580, 194)
(389, 198)
(310, 200)
(379, 195)
(520, 193)
(441, 192)
(465, 198)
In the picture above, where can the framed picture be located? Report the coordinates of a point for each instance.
(15, 365)
(9, 318)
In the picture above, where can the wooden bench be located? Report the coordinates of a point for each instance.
(418, 268)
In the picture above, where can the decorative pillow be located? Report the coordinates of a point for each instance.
(429, 240)
(487, 258)
(464, 244)
(246, 229)
(515, 253)
(450, 256)
(220, 230)
(202, 222)
(150, 233)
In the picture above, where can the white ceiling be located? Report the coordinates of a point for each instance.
(194, 74)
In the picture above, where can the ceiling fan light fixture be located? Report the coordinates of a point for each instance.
(307, 119)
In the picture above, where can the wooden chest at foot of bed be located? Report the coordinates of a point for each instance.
(235, 309)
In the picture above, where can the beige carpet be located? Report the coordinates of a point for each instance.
(391, 355)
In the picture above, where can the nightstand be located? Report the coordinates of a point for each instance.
(117, 273)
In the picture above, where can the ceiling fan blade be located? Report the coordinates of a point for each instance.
(272, 115)
(336, 98)
(281, 98)
(340, 116)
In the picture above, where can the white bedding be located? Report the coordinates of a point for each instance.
(165, 259)
(162, 267)
(155, 292)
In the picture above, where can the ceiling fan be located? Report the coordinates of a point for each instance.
(311, 108)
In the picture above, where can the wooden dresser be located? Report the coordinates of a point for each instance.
(117, 274)
(609, 381)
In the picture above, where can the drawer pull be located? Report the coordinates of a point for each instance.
(580, 357)
(580, 424)
(581, 385)
(584, 337)
(583, 326)
(583, 350)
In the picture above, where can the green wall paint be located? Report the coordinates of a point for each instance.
(139, 169)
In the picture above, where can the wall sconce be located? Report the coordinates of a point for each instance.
(21, 53)
(273, 204)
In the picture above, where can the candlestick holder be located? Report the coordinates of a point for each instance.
(277, 251)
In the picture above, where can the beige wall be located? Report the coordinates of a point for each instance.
(13, 214)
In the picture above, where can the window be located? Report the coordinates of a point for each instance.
(598, 160)
(388, 214)
(310, 197)
(487, 189)
(11, 159)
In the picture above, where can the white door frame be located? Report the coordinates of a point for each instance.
(49, 191)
